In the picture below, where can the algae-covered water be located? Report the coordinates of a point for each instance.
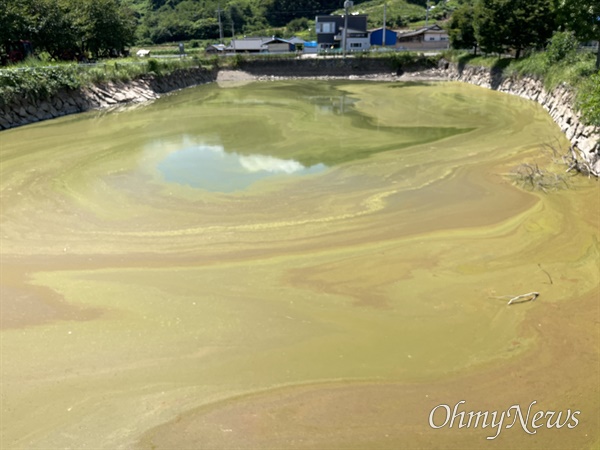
(297, 264)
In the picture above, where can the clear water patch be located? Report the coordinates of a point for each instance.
(212, 168)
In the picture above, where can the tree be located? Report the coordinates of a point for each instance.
(282, 12)
(488, 25)
(13, 23)
(460, 29)
(562, 46)
(514, 24)
(56, 30)
(104, 26)
(530, 23)
(583, 18)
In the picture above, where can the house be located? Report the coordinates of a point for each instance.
(376, 37)
(330, 32)
(260, 45)
(248, 45)
(278, 45)
(432, 37)
(297, 41)
(213, 49)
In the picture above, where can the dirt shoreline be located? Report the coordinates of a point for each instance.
(240, 75)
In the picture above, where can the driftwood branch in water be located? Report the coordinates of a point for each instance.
(530, 295)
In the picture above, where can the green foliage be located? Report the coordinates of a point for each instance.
(66, 29)
(512, 24)
(583, 18)
(562, 46)
(460, 28)
(298, 24)
(588, 100)
(237, 61)
(280, 12)
(104, 26)
(153, 66)
(399, 13)
(400, 61)
(38, 81)
(486, 14)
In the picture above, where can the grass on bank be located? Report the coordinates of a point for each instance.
(37, 79)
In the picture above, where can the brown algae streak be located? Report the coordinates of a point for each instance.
(142, 304)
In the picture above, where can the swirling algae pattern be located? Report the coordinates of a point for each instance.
(329, 310)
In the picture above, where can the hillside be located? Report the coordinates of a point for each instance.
(173, 20)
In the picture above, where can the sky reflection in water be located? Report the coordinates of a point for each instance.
(211, 168)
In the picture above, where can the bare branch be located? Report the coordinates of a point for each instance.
(547, 274)
(530, 296)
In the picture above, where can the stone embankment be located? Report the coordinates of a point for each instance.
(26, 110)
(559, 103)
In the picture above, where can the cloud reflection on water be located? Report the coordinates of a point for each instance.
(212, 168)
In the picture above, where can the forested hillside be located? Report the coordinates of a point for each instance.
(69, 29)
(64, 28)
(173, 20)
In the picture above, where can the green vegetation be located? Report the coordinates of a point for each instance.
(81, 29)
(583, 18)
(499, 26)
(588, 99)
(518, 26)
(64, 29)
(37, 81)
(399, 13)
(78, 29)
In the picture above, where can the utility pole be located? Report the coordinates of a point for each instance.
(347, 5)
(220, 24)
(427, 13)
(232, 29)
(383, 35)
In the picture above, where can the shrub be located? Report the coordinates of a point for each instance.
(562, 46)
(237, 61)
(588, 100)
(153, 66)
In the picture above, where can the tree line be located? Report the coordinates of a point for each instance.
(497, 26)
(69, 29)
(172, 20)
(66, 28)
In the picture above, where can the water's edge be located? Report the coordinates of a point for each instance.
(559, 103)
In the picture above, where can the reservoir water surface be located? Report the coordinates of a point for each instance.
(293, 264)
